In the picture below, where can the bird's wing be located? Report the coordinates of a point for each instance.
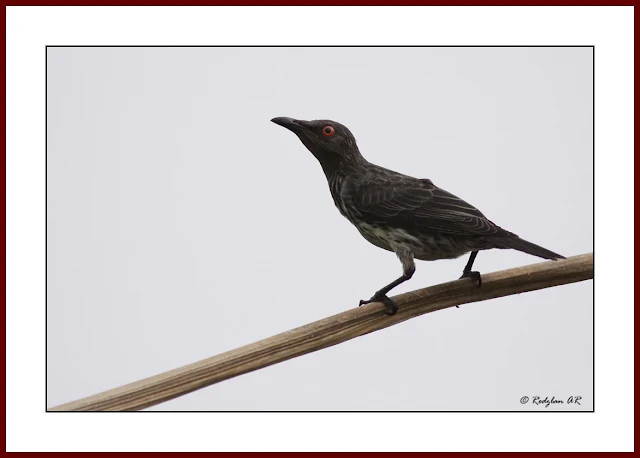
(413, 204)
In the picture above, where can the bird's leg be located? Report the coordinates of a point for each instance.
(468, 273)
(381, 295)
(408, 268)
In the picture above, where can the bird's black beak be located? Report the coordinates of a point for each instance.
(288, 123)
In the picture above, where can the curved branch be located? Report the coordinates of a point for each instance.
(333, 330)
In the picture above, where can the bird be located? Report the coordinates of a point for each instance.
(411, 217)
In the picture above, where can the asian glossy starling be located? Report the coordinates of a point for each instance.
(409, 216)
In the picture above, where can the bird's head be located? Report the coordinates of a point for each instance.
(329, 141)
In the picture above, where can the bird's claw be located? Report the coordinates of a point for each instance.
(391, 306)
(473, 274)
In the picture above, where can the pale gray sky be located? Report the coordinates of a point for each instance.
(182, 223)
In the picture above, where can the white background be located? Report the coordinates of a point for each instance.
(182, 223)
(137, 335)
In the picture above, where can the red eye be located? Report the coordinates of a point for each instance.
(328, 131)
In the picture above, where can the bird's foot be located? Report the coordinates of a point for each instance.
(391, 306)
(473, 274)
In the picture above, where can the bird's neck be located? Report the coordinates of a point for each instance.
(340, 166)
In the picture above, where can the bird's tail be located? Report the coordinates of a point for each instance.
(519, 244)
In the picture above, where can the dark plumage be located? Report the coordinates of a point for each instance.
(409, 216)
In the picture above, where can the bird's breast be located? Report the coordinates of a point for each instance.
(335, 187)
(376, 235)
(389, 238)
(424, 246)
